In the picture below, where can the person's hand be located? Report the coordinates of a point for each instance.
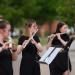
(14, 48)
(51, 37)
(36, 30)
(5, 45)
(33, 41)
(30, 34)
(58, 36)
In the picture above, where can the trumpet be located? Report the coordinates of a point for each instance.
(11, 44)
(25, 43)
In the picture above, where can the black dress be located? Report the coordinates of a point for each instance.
(29, 65)
(5, 62)
(61, 61)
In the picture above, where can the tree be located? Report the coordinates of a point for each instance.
(17, 11)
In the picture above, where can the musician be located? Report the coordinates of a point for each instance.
(29, 65)
(61, 65)
(5, 53)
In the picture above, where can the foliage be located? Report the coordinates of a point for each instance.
(17, 11)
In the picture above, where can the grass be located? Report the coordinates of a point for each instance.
(43, 40)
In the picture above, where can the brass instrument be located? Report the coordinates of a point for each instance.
(12, 44)
(10, 41)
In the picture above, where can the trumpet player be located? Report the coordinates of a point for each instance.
(5, 53)
(29, 66)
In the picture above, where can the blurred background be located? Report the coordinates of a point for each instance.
(43, 11)
(47, 14)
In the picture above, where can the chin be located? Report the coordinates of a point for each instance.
(6, 37)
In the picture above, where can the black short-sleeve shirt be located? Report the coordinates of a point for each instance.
(5, 62)
(56, 41)
(30, 48)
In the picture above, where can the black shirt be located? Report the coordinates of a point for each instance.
(6, 62)
(5, 54)
(56, 41)
(29, 65)
(30, 48)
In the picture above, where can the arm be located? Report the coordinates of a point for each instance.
(17, 52)
(22, 45)
(49, 44)
(4, 47)
(38, 45)
(13, 51)
(50, 39)
(19, 49)
(61, 40)
(14, 56)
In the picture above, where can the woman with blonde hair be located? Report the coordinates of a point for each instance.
(29, 65)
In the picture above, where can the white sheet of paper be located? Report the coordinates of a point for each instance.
(48, 59)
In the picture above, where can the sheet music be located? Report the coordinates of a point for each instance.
(49, 56)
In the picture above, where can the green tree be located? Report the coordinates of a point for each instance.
(17, 11)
